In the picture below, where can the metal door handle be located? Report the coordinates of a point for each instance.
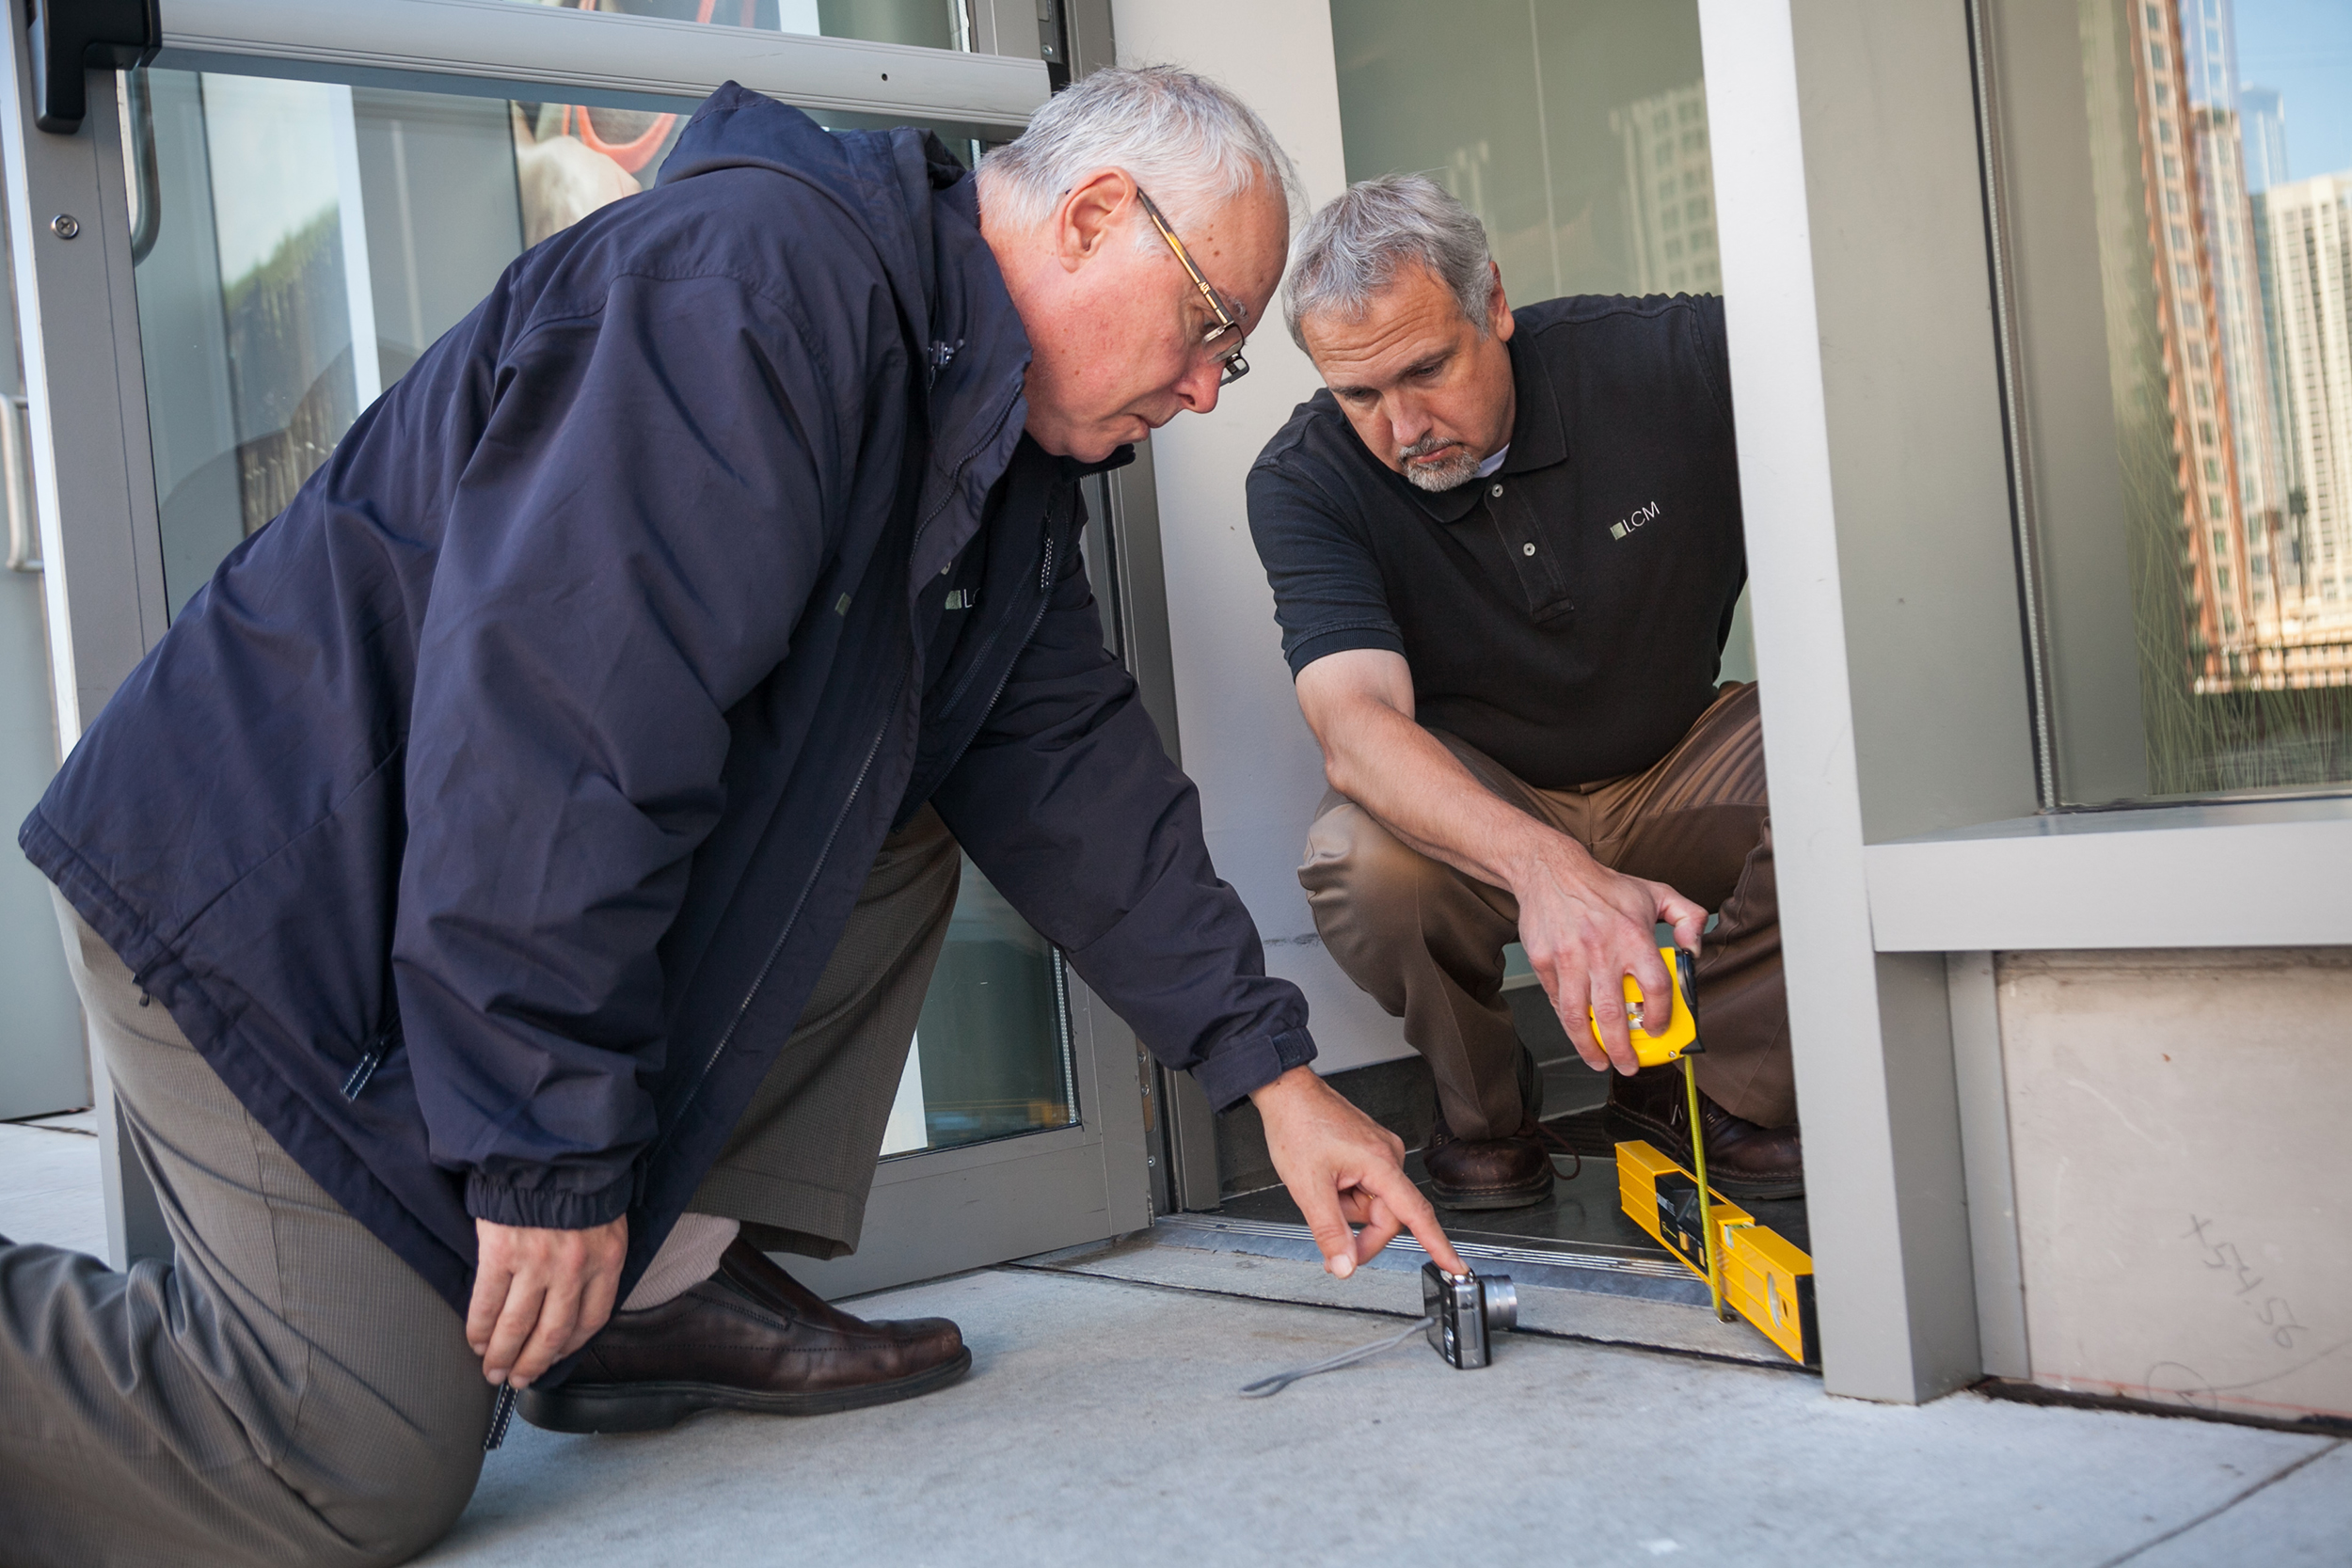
(23, 531)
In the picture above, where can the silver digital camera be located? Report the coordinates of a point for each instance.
(1465, 1310)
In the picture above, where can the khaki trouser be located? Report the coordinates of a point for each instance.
(285, 1390)
(1426, 941)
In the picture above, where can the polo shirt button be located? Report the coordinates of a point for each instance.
(1496, 491)
(1527, 549)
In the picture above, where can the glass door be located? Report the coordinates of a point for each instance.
(295, 238)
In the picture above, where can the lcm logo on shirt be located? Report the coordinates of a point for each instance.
(1643, 517)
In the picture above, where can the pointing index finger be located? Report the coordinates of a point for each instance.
(1405, 1200)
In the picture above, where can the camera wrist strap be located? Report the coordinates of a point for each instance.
(1279, 1381)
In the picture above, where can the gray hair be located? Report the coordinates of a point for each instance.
(1189, 141)
(1353, 249)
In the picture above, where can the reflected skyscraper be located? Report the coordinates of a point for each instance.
(2309, 235)
(1670, 186)
(2216, 600)
(2217, 129)
(2264, 118)
(2249, 337)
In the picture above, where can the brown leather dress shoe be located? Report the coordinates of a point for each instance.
(1743, 1161)
(1487, 1172)
(749, 1338)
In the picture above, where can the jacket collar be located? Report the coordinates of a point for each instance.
(920, 211)
(977, 360)
(1538, 440)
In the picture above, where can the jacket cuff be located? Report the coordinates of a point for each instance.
(545, 1208)
(1229, 1073)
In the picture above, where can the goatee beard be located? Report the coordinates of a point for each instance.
(1445, 474)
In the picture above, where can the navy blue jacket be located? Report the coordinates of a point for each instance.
(488, 819)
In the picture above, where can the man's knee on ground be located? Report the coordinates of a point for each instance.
(419, 1504)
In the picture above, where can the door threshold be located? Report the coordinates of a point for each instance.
(1590, 1296)
(1599, 1267)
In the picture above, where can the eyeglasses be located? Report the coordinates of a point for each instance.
(1231, 367)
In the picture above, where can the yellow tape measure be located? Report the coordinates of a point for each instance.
(1682, 1034)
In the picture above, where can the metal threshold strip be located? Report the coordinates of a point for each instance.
(509, 49)
(1597, 1267)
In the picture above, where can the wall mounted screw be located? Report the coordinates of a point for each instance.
(65, 225)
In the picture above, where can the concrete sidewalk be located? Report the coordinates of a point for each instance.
(1100, 1425)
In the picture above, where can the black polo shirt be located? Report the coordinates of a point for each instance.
(1566, 614)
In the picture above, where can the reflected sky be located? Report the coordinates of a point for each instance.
(2303, 48)
(272, 147)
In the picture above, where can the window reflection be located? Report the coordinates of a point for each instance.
(1575, 129)
(302, 259)
(2224, 253)
(987, 1060)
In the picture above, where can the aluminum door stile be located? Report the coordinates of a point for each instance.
(86, 389)
(1130, 583)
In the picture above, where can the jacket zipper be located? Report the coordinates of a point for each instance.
(1045, 600)
(873, 750)
(370, 1059)
(1044, 584)
(776, 951)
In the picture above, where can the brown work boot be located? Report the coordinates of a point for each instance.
(1743, 1161)
(749, 1338)
(1487, 1172)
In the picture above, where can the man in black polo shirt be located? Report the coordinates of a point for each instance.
(1504, 552)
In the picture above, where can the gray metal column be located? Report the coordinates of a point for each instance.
(45, 1067)
(1888, 641)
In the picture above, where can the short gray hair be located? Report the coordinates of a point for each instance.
(1353, 249)
(1189, 141)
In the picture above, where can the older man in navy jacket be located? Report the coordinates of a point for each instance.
(518, 871)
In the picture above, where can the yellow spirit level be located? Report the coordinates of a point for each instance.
(1749, 1268)
(1762, 1276)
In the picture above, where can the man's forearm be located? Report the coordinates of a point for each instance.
(1421, 792)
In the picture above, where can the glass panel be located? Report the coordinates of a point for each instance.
(991, 1055)
(299, 245)
(1575, 129)
(2221, 178)
(933, 24)
(307, 243)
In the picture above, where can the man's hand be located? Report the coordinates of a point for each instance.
(1586, 927)
(1344, 1168)
(538, 1295)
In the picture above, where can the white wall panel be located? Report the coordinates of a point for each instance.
(2176, 1123)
